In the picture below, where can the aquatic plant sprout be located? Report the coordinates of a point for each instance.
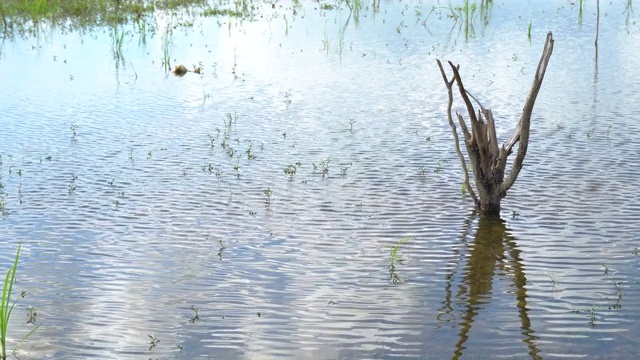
(394, 256)
(5, 306)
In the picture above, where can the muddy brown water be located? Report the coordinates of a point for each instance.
(154, 206)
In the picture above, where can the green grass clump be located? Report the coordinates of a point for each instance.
(6, 307)
(395, 257)
(25, 18)
(215, 11)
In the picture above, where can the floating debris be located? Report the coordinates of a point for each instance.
(179, 70)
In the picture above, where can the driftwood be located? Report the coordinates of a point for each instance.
(487, 159)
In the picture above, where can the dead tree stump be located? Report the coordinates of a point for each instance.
(486, 158)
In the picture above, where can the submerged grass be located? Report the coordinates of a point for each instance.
(6, 307)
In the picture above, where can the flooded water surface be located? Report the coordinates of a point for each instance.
(300, 197)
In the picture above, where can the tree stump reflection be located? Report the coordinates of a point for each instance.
(469, 285)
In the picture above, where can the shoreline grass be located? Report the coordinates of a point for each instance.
(27, 18)
(6, 307)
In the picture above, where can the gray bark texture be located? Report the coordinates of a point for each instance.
(487, 158)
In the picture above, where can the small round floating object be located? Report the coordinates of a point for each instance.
(179, 70)
(197, 70)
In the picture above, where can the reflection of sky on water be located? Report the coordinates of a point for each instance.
(314, 261)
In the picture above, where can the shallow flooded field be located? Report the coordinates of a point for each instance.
(300, 197)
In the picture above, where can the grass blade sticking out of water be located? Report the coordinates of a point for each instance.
(580, 13)
(5, 306)
(116, 45)
(396, 258)
(485, 11)
(24, 338)
(166, 46)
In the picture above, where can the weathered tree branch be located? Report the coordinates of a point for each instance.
(525, 118)
(476, 124)
(494, 149)
(463, 162)
(487, 159)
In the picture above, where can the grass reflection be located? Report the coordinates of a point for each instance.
(493, 251)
